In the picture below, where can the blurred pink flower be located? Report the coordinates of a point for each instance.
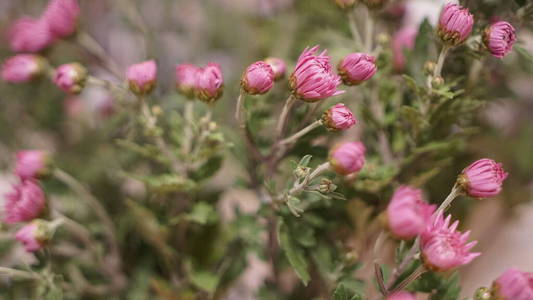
(455, 24)
(23, 68)
(187, 76)
(258, 78)
(338, 117)
(62, 17)
(28, 236)
(499, 38)
(142, 76)
(210, 83)
(402, 295)
(357, 67)
(483, 178)
(402, 40)
(348, 157)
(70, 77)
(25, 202)
(513, 285)
(278, 66)
(32, 164)
(29, 35)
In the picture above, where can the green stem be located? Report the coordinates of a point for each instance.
(353, 29)
(284, 115)
(293, 138)
(18, 274)
(440, 61)
(187, 130)
(92, 46)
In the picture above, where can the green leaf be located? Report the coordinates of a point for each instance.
(202, 213)
(295, 255)
(305, 160)
(208, 169)
(524, 53)
(293, 204)
(204, 280)
(168, 183)
(343, 293)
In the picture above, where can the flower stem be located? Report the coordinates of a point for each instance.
(369, 26)
(456, 191)
(239, 109)
(414, 276)
(293, 138)
(17, 274)
(187, 130)
(92, 46)
(353, 28)
(440, 61)
(299, 186)
(284, 114)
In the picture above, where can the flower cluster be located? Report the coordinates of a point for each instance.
(206, 84)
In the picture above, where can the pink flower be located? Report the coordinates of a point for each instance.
(408, 214)
(278, 66)
(313, 78)
(344, 4)
(23, 68)
(187, 79)
(357, 67)
(70, 77)
(210, 83)
(348, 157)
(513, 285)
(499, 38)
(443, 247)
(402, 40)
(25, 202)
(338, 117)
(402, 295)
(29, 237)
(29, 35)
(141, 77)
(258, 78)
(483, 178)
(62, 17)
(455, 24)
(32, 164)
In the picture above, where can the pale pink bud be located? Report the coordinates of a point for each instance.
(32, 164)
(402, 295)
(357, 67)
(187, 79)
(62, 17)
(347, 158)
(443, 247)
(483, 178)
(278, 66)
(402, 40)
(23, 68)
(313, 78)
(24, 202)
(338, 117)
(141, 77)
(408, 214)
(499, 38)
(71, 77)
(258, 78)
(29, 35)
(32, 236)
(513, 285)
(345, 4)
(455, 24)
(210, 83)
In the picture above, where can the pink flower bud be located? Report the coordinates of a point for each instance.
(347, 158)
(32, 164)
(210, 83)
(402, 295)
(443, 247)
(70, 77)
(313, 78)
(141, 77)
(482, 179)
(33, 235)
(513, 285)
(62, 17)
(25, 202)
(278, 66)
(338, 117)
(402, 40)
(357, 67)
(258, 78)
(345, 4)
(455, 24)
(29, 35)
(408, 214)
(23, 68)
(499, 38)
(187, 79)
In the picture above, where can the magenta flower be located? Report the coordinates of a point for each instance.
(23, 68)
(62, 17)
(513, 285)
(187, 79)
(443, 247)
(70, 77)
(29, 236)
(338, 117)
(357, 67)
(455, 24)
(313, 78)
(29, 35)
(402, 295)
(402, 40)
(258, 78)
(25, 202)
(408, 214)
(483, 178)
(141, 77)
(278, 66)
(210, 83)
(499, 38)
(347, 158)
(32, 164)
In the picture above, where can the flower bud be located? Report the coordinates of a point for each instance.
(374, 4)
(62, 17)
(357, 67)
(455, 24)
(210, 83)
(348, 157)
(499, 38)
(482, 179)
(402, 295)
(513, 285)
(345, 4)
(34, 235)
(338, 117)
(429, 68)
(402, 40)
(258, 78)
(29, 35)
(24, 202)
(301, 171)
(71, 77)
(326, 186)
(32, 164)
(187, 79)
(482, 293)
(278, 66)
(437, 82)
(23, 68)
(141, 77)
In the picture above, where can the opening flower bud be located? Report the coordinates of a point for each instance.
(32, 164)
(34, 235)
(23, 68)
(513, 285)
(357, 67)
(141, 77)
(210, 85)
(278, 66)
(62, 17)
(455, 24)
(187, 79)
(338, 117)
(29, 35)
(482, 179)
(499, 38)
(258, 78)
(326, 186)
(25, 202)
(71, 77)
(347, 158)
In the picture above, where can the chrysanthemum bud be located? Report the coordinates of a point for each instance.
(357, 67)
(482, 179)
(34, 235)
(402, 40)
(141, 77)
(429, 67)
(455, 24)
(482, 293)
(499, 38)
(258, 78)
(348, 157)
(210, 83)
(345, 4)
(374, 4)
(301, 171)
(23, 68)
(278, 66)
(513, 285)
(326, 186)
(338, 117)
(29, 35)
(71, 77)
(437, 81)
(187, 79)
(402, 295)
(24, 202)
(62, 17)
(32, 164)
